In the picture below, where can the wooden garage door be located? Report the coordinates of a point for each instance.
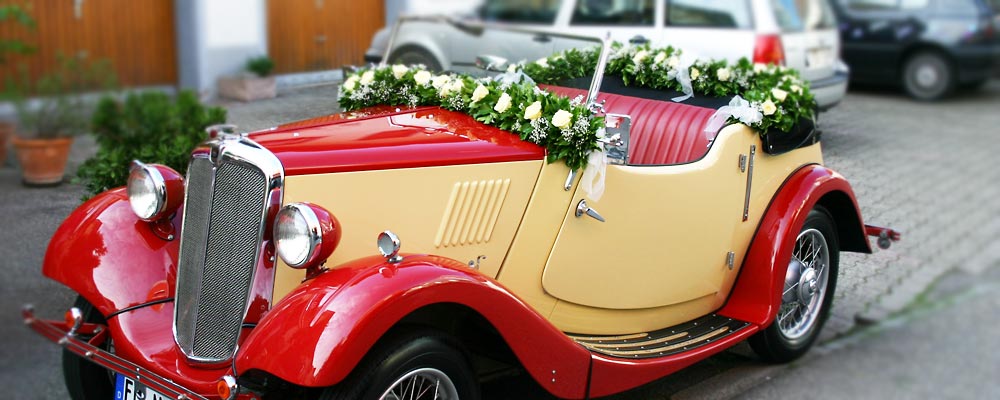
(310, 35)
(136, 36)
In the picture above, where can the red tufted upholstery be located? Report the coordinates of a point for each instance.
(663, 132)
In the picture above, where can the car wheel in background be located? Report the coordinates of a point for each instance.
(412, 55)
(928, 75)
(415, 364)
(84, 379)
(806, 296)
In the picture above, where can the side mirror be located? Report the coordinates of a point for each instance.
(488, 62)
(617, 128)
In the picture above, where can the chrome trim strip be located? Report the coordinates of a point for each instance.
(107, 360)
(240, 150)
(746, 200)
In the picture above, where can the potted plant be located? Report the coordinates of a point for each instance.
(8, 47)
(50, 119)
(254, 83)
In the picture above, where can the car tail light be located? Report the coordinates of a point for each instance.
(768, 50)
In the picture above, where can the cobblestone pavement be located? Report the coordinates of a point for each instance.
(923, 168)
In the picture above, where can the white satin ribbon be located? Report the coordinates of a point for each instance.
(683, 77)
(738, 108)
(510, 78)
(593, 175)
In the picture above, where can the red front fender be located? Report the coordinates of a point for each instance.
(756, 296)
(317, 334)
(109, 256)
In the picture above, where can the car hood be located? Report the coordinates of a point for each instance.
(390, 137)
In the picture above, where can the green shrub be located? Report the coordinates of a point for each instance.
(150, 127)
(262, 66)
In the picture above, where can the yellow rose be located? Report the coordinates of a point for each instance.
(503, 104)
(399, 70)
(422, 77)
(533, 111)
(723, 74)
(480, 92)
(768, 108)
(779, 94)
(695, 73)
(368, 77)
(660, 57)
(562, 119)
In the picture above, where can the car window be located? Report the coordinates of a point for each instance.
(709, 13)
(871, 5)
(520, 11)
(962, 7)
(798, 15)
(914, 4)
(614, 12)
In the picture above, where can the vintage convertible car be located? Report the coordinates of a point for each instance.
(257, 277)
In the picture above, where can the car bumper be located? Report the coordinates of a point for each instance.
(69, 338)
(976, 63)
(829, 91)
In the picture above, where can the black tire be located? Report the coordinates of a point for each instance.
(84, 379)
(776, 343)
(928, 75)
(402, 353)
(412, 55)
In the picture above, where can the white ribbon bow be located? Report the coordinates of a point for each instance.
(738, 108)
(683, 77)
(593, 175)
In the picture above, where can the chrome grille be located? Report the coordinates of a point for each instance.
(229, 192)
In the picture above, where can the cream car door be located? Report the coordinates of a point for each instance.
(667, 236)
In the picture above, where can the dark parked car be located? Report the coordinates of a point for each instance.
(929, 47)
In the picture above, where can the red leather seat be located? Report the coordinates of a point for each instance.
(663, 132)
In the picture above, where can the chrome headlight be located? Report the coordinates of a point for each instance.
(154, 190)
(305, 234)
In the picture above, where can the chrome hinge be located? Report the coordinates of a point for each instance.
(730, 260)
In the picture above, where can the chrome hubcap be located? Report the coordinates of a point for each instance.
(424, 383)
(927, 76)
(805, 285)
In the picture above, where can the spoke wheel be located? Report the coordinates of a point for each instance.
(410, 364)
(807, 293)
(84, 379)
(422, 384)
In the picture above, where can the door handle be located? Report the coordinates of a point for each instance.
(582, 208)
(542, 38)
(638, 39)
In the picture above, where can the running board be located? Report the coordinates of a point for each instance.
(664, 342)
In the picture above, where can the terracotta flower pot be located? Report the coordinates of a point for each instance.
(6, 131)
(43, 161)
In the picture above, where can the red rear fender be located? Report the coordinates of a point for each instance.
(317, 334)
(109, 256)
(756, 297)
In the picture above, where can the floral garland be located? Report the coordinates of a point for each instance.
(563, 126)
(765, 97)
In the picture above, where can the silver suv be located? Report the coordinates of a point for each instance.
(800, 34)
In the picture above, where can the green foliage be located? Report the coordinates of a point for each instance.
(484, 100)
(777, 92)
(13, 12)
(59, 108)
(150, 127)
(261, 66)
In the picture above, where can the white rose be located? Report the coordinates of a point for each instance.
(768, 107)
(544, 62)
(368, 77)
(695, 73)
(779, 94)
(562, 119)
(660, 57)
(533, 111)
(797, 89)
(480, 92)
(512, 68)
(673, 61)
(399, 70)
(503, 104)
(350, 83)
(456, 85)
(641, 55)
(758, 67)
(440, 81)
(422, 77)
(723, 74)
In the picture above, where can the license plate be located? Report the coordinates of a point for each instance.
(128, 389)
(819, 57)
